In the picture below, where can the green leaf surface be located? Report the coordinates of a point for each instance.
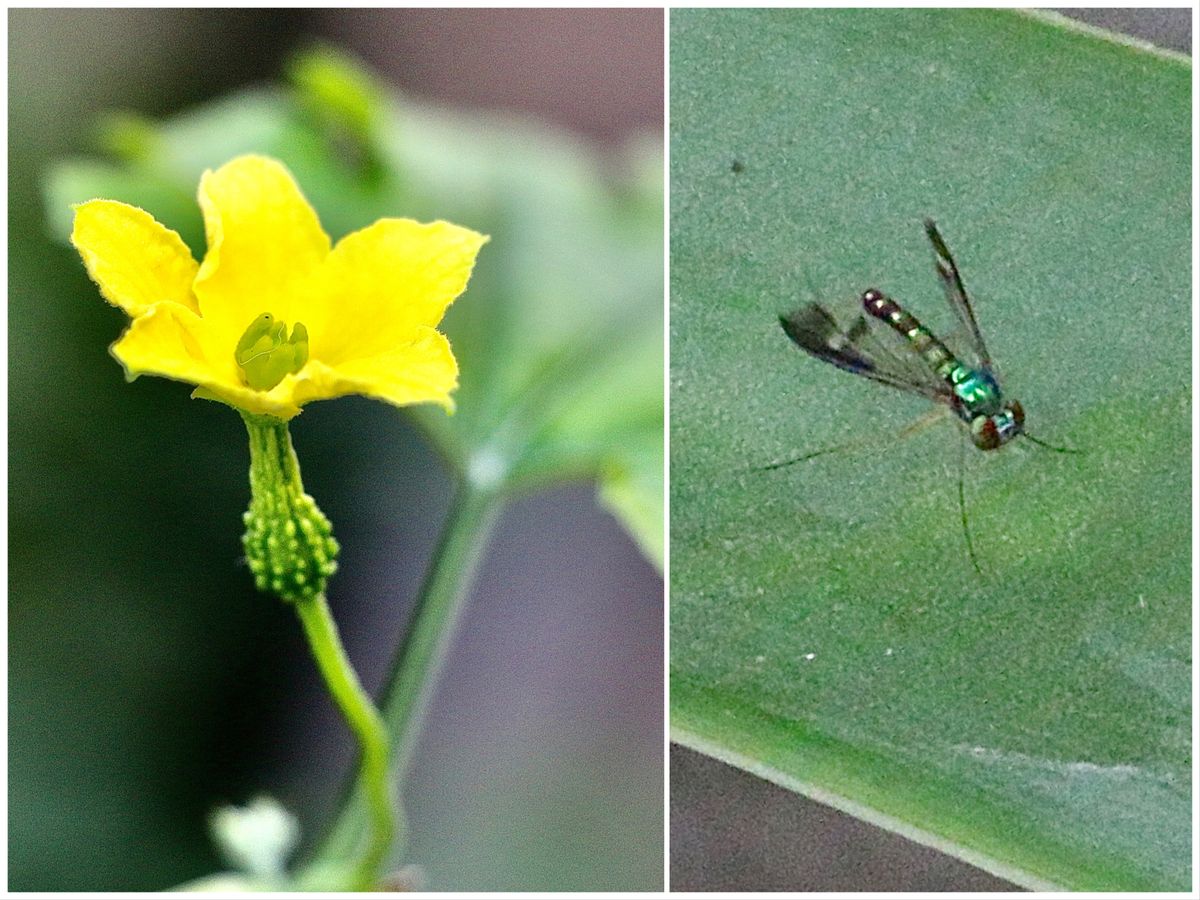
(827, 628)
(560, 334)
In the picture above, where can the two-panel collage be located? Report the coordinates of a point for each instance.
(625, 451)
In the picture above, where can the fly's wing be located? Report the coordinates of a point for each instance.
(893, 353)
(956, 294)
(857, 350)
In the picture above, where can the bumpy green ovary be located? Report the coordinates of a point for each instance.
(265, 353)
(289, 543)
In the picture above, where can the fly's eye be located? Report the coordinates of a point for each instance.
(1018, 413)
(983, 432)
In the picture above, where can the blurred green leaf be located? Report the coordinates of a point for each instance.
(345, 103)
(126, 135)
(339, 89)
(827, 628)
(559, 336)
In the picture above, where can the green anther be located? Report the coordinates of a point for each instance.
(265, 353)
(289, 543)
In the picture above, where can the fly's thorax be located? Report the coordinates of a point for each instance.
(976, 391)
(992, 431)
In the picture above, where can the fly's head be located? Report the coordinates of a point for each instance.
(994, 431)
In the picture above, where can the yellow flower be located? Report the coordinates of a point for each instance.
(362, 314)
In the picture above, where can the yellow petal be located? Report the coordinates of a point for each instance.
(381, 284)
(165, 340)
(172, 341)
(136, 261)
(277, 403)
(422, 371)
(264, 244)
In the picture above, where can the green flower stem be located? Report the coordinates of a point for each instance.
(419, 660)
(291, 552)
(364, 720)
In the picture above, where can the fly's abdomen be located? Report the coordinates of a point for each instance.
(920, 338)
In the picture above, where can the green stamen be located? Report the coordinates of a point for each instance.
(292, 553)
(265, 353)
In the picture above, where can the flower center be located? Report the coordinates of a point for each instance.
(266, 353)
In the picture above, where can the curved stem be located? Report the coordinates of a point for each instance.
(418, 662)
(365, 721)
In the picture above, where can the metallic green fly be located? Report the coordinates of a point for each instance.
(887, 344)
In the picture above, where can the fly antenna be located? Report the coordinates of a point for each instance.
(1042, 443)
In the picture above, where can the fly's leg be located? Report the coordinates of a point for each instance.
(929, 419)
(962, 503)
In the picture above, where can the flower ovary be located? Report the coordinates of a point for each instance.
(289, 543)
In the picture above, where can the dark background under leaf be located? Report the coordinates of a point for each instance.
(148, 682)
